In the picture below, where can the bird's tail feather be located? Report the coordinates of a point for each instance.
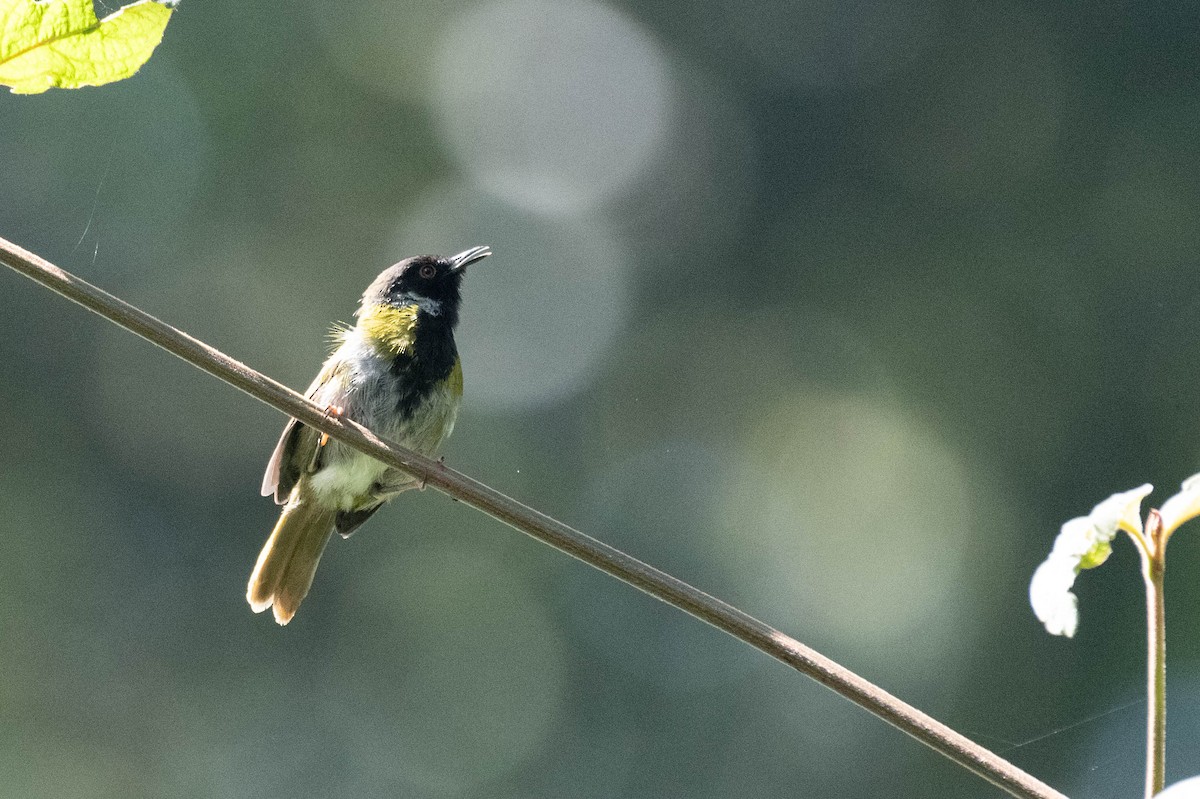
(285, 568)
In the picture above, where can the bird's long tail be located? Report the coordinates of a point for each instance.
(285, 568)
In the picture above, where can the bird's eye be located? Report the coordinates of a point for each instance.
(427, 271)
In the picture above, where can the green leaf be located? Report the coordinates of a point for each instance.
(61, 43)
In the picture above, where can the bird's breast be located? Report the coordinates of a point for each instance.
(413, 408)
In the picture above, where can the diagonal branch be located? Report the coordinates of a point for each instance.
(611, 561)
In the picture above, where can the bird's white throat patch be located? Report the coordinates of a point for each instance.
(431, 307)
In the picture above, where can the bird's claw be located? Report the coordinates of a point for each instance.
(441, 462)
(334, 411)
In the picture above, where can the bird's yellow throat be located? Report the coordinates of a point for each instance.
(390, 328)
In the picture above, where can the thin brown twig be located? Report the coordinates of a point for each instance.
(1154, 565)
(611, 561)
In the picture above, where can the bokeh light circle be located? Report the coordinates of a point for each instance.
(475, 662)
(540, 314)
(861, 511)
(384, 45)
(552, 105)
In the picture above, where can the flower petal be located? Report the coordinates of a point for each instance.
(1050, 595)
(1184, 789)
(1077, 537)
(1182, 507)
(1084, 542)
(1121, 511)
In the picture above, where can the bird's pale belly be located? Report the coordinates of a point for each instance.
(350, 480)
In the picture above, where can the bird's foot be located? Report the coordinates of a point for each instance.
(441, 462)
(334, 411)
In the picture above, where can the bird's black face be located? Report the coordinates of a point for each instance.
(427, 281)
(430, 282)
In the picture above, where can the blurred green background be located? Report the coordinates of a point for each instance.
(834, 309)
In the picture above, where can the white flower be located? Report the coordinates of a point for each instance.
(1121, 512)
(1050, 594)
(1182, 507)
(1184, 789)
(1084, 543)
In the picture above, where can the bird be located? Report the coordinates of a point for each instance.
(395, 371)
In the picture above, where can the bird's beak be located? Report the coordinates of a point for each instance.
(460, 261)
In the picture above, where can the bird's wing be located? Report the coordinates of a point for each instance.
(298, 443)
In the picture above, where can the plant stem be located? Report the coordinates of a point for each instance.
(663, 586)
(1154, 564)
